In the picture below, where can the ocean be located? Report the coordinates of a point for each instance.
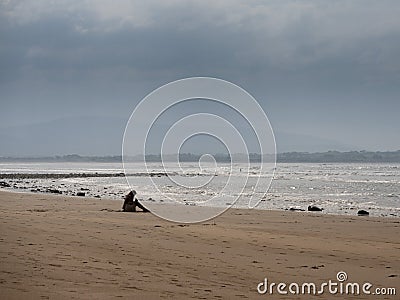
(338, 188)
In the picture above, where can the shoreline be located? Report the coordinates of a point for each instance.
(350, 189)
(97, 198)
(53, 246)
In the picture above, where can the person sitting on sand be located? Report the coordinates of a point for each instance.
(131, 202)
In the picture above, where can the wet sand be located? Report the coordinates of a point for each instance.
(57, 247)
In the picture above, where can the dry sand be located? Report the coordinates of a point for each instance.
(67, 247)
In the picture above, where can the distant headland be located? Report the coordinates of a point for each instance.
(287, 157)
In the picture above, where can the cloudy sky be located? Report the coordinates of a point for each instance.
(322, 69)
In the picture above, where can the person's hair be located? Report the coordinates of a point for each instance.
(130, 195)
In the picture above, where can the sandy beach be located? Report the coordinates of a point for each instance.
(56, 247)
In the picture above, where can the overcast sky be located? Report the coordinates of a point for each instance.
(328, 69)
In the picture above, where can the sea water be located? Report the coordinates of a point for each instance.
(338, 188)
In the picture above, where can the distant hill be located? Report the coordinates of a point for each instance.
(288, 157)
(102, 136)
(96, 136)
(336, 156)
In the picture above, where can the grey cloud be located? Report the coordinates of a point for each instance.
(303, 60)
(285, 35)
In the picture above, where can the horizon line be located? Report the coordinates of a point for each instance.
(192, 154)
